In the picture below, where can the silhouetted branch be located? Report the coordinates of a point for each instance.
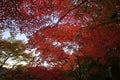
(106, 23)
(61, 18)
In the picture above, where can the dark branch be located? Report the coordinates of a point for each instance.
(106, 23)
(61, 18)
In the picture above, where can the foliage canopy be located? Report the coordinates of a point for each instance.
(66, 32)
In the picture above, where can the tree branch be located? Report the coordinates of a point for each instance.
(105, 23)
(69, 12)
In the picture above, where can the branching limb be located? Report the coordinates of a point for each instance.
(61, 18)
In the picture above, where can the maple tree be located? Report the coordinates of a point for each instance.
(58, 31)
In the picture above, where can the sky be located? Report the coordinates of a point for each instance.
(19, 36)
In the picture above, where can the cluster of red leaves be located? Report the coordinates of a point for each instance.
(61, 33)
(97, 36)
(45, 38)
(97, 40)
(41, 73)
